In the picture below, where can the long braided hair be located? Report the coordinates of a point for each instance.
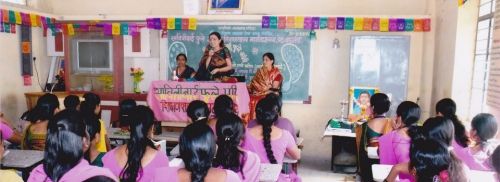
(267, 115)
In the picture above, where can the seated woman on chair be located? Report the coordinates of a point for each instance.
(371, 131)
(183, 71)
(197, 148)
(395, 146)
(269, 142)
(36, 131)
(267, 80)
(139, 158)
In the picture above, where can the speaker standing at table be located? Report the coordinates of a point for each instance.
(216, 61)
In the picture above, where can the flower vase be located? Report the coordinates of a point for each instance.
(137, 90)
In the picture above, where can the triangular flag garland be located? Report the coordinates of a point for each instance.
(348, 23)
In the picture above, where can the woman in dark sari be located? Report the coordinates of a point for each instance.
(183, 71)
(216, 61)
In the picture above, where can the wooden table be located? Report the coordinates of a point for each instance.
(22, 160)
(340, 137)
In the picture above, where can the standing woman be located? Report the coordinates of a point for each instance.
(138, 159)
(216, 61)
(183, 71)
(35, 134)
(267, 80)
(63, 158)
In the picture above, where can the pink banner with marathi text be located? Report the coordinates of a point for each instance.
(169, 99)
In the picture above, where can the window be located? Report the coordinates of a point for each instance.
(482, 58)
(21, 2)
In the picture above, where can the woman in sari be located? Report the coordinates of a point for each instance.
(216, 61)
(267, 80)
(369, 132)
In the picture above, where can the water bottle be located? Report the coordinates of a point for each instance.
(174, 77)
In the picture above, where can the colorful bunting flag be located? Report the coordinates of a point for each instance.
(18, 18)
(340, 23)
(401, 24)
(84, 27)
(1, 27)
(34, 21)
(290, 22)
(71, 29)
(393, 25)
(185, 24)
(164, 24)
(171, 23)
(13, 28)
(349, 23)
(273, 22)
(149, 23)
(367, 24)
(332, 23)
(281, 22)
(358, 24)
(107, 28)
(133, 29)
(116, 28)
(124, 29)
(192, 23)
(178, 23)
(323, 22)
(308, 23)
(12, 17)
(5, 15)
(376, 24)
(409, 26)
(418, 25)
(384, 24)
(299, 22)
(427, 25)
(6, 28)
(315, 22)
(265, 22)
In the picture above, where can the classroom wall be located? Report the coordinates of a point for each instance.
(298, 7)
(12, 89)
(454, 55)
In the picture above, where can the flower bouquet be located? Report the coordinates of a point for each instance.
(136, 74)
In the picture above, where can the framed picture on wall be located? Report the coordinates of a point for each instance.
(359, 102)
(234, 7)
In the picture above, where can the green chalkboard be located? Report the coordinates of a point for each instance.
(247, 43)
